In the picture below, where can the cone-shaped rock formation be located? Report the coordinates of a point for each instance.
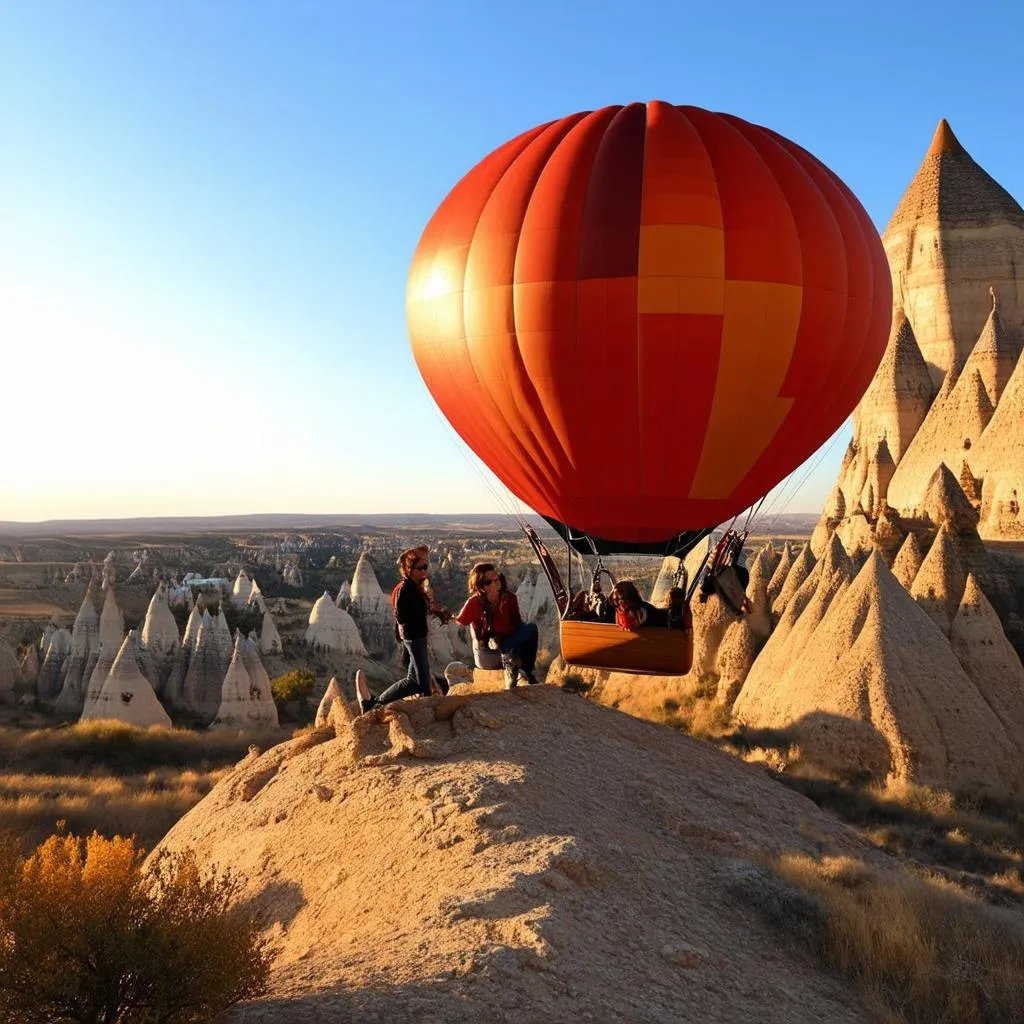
(878, 689)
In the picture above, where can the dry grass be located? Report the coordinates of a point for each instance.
(110, 778)
(145, 806)
(921, 950)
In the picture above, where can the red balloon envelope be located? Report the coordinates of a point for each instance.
(642, 318)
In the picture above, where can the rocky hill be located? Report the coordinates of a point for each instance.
(522, 856)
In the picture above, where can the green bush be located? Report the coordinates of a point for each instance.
(91, 936)
(292, 686)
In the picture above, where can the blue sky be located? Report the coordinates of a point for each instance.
(208, 209)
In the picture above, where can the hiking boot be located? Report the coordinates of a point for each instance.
(511, 670)
(363, 695)
(529, 677)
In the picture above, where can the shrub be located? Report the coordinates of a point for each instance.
(919, 948)
(92, 936)
(297, 685)
(573, 682)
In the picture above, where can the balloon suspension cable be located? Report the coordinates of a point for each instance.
(752, 514)
(812, 466)
(500, 500)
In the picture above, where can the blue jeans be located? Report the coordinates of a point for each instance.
(417, 680)
(522, 645)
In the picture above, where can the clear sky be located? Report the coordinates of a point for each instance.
(208, 209)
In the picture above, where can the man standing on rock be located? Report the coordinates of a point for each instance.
(411, 603)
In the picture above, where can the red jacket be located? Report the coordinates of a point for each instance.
(503, 620)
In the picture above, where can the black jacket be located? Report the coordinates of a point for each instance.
(410, 610)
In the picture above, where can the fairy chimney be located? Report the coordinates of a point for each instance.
(955, 233)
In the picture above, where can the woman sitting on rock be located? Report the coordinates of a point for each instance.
(493, 613)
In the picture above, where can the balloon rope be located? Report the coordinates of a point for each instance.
(813, 465)
(501, 500)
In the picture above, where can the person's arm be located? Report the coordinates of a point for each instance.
(470, 612)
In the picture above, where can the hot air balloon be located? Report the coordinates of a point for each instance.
(643, 317)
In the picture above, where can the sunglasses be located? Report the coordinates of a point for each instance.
(421, 565)
(487, 583)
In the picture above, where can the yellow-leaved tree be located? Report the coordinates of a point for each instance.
(88, 934)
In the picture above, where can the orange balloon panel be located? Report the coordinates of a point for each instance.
(642, 318)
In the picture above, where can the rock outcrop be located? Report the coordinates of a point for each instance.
(241, 591)
(333, 629)
(160, 633)
(986, 655)
(84, 649)
(875, 689)
(127, 695)
(523, 875)
(10, 674)
(955, 233)
(201, 688)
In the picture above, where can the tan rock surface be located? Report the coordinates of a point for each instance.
(800, 619)
(803, 564)
(898, 397)
(781, 571)
(878, 688)
(517, 857)
(955, 233)
(939, 583)
(907, 563)
(998, 459)
(953, 426)
(978, 641)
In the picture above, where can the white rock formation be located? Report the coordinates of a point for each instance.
(84, 649)
(270, 640)
(51, 672)
(222, 633)
(736, 655)
(173, 691)
(105, 658)
(803, 563)
(370, 607)
(344, 595)
(759, 618)
(256, 597)
(127, 695)
(160, 632)
(366, 594)
(111, 629)
(333, 629)
(200, 697)
(235, 696)
(778, 580)
(262, 709)
(331, 696)
(242, 589)
(292, 575)
(803, 612)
